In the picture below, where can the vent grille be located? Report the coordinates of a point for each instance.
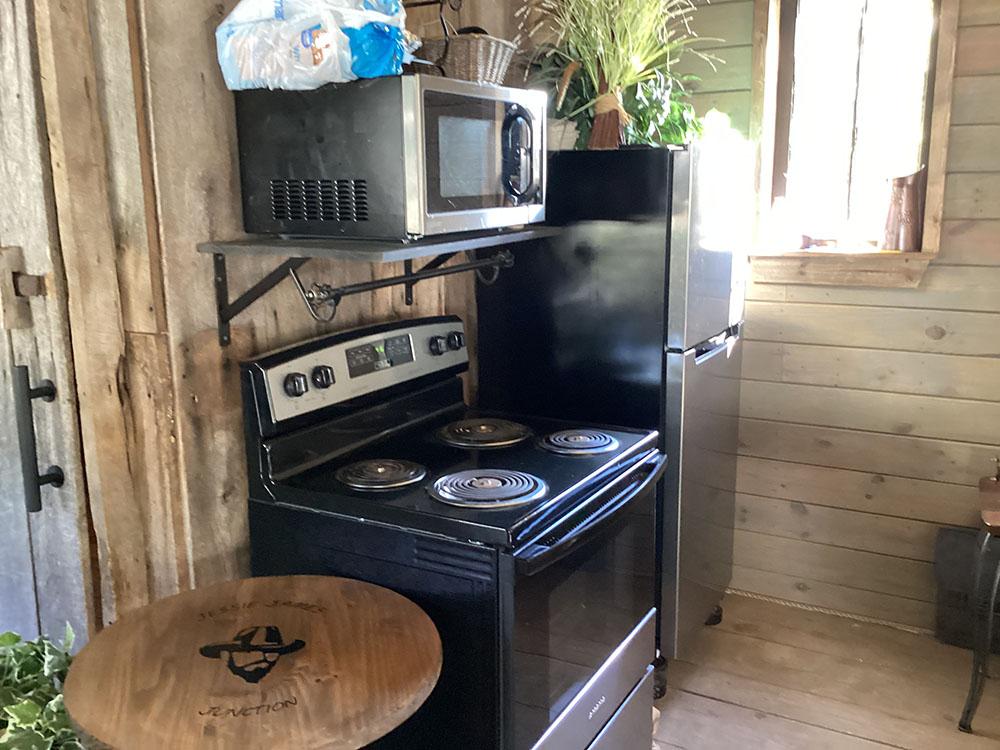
(452, 559)
(319, 200)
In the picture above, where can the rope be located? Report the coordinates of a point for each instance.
(611, 102)
(835, 613)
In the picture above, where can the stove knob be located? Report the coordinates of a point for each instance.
(438, 345)
(456, 340)
(296, 384)
(322, 376)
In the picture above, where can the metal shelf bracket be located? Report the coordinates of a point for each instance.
(323, 299)
(227, 309)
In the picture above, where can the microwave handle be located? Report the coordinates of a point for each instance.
(516, 114)
(536, 557)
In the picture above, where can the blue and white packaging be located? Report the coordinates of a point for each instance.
(304, 44)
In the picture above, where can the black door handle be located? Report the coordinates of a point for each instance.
(24, 394)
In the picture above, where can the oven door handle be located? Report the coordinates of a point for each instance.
(538, 555)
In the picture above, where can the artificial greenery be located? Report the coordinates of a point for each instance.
(32, 715)
(628, 48)
(659, 111)
(620, 43)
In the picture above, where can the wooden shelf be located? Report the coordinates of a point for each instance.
(889, 269)
(374, 251)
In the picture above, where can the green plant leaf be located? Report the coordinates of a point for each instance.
(25, 740)
(25, 713)
(9, 639)
(54, 716)
(31, 678)
(55, 661)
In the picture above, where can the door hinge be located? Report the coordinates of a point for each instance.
(16, 287)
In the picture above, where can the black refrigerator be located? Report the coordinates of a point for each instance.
(631, 316)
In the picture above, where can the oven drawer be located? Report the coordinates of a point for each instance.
(632, 724)
(592, 708)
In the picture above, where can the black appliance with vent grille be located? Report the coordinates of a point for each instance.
(529, 542)
(319, 200)
(393, 158)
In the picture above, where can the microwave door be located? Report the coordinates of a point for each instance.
(482, 160)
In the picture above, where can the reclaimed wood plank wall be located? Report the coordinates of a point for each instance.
(142, 140)
(868, 415)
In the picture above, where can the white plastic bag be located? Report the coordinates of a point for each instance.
(303, 44)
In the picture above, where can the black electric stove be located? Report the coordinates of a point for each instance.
(529, 542)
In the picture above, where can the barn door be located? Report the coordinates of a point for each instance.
(45, 559)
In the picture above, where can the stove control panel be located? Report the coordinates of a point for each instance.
(348, 367)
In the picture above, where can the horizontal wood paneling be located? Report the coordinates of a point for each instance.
(978, 52)
(940, 331)
(736, 104)
(969, 242)
(972, 196)
(974, 148)
(942, 288)
(900, 537)
(731, 74)
(831, 596)
(976, 101)
(836, 565)
(979, 13)
(878, 270)
(726, 25)
(888, 455)
(872, 369)
(870, 492)
(724, 84)
(896, 413)
(869, 414)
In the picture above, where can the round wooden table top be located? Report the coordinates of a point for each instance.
(295, 661)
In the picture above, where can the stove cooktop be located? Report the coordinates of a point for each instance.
(522, 472)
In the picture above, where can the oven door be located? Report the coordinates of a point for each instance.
(584, 624)
(478, 156)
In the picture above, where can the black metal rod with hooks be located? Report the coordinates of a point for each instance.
(324, 294)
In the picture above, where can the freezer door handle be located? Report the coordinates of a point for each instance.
(713, 348)
(546, 550)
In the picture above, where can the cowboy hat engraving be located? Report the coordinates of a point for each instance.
(253, 652)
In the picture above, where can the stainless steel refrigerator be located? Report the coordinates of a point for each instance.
(632, 316)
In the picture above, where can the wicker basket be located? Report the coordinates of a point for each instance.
(472, 57)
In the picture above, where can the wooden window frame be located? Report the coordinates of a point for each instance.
(774, 33)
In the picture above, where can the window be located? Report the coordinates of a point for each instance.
(853, 115)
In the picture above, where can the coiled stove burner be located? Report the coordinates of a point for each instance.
(488, 488)
(484, 433)
(579, 442)
(381, 474)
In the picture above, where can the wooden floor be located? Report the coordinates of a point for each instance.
(772, 676)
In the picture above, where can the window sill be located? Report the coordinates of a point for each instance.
(886, 269)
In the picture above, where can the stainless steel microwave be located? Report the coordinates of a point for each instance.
(400, 157)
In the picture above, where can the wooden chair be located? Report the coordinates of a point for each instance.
(984, 599)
